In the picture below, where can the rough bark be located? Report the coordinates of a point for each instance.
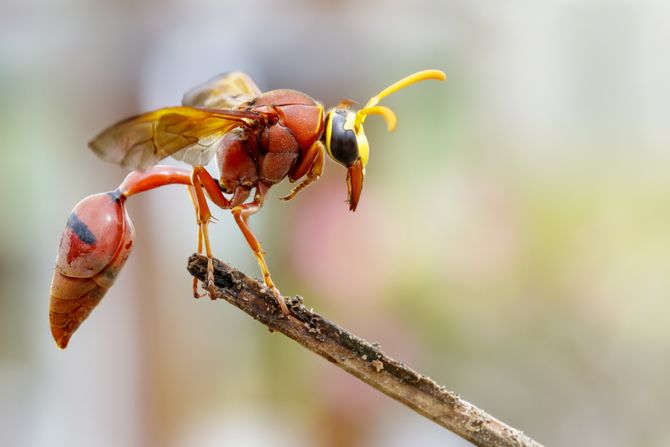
(360, 358)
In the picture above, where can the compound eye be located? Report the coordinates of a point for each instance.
(342, 146)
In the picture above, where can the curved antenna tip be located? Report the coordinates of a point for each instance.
(441, 76)
(437, 75)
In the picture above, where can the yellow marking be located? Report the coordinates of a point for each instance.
(319, 121)
(329, 131)
(363, 148)
(361, 139)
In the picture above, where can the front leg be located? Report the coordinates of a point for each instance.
(311, 165)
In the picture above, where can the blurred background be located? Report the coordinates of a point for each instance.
(512, 241)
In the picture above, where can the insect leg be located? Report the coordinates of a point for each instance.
(194, 200)
(211, 186)
(203, 216)
(311, 165)
(203, 183)
(241, 214)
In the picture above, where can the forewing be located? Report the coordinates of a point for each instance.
(226, 91)
(144, 140)
(200, 153)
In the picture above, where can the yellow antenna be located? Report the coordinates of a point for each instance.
(372, 108)
(385, 112)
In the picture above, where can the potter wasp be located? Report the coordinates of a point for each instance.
(258, 140)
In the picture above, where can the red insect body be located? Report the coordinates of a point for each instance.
(258, 140)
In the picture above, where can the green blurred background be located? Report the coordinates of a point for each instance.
(512, 241)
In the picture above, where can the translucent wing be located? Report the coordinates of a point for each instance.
(187, 133)
(226, 91)
(200, 153)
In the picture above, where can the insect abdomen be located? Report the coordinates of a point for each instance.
(94, 246)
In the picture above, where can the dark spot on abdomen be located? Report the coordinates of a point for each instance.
(80, 229)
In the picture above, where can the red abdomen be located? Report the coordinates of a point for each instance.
(94, 246)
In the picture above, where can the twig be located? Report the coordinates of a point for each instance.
(360, 358)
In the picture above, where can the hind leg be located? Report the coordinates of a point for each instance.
(202, 181)
(194, 200)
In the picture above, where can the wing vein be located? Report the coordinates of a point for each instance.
(189, 134)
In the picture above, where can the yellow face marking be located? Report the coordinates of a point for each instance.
(363, 148)
(361, 139)
(329, 131)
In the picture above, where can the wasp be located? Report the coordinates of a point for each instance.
(258, 139)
